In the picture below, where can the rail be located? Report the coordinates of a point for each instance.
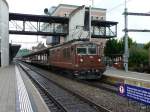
(96, 107)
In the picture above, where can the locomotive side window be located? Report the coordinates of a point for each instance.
(82, 50)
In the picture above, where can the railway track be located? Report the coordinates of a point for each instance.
(99, 95)
(60, 99)
(95, 83)
(52, 104)
(101, 85)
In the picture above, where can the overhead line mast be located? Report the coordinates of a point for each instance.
(126, 49)
(90, 23)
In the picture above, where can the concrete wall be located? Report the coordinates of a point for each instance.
(76, 24)
(4, 34)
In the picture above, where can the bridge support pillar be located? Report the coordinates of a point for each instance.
(4, 34)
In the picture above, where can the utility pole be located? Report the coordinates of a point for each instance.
(90, 8)
(92, 3)
(126, 50)
(90, 23)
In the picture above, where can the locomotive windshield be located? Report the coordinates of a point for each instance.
(92, 50)
(87, 50)
(82, 50)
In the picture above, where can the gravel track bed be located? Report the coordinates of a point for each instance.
(109, 100)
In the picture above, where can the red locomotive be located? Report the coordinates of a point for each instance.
(80, 58)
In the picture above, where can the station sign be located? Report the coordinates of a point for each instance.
(139, 94)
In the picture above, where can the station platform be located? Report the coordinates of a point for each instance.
(17, 93)
(116, 76)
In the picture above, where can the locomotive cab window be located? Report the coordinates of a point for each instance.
(92, 49)
(81, 50)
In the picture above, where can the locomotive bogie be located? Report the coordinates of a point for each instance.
(89, 74)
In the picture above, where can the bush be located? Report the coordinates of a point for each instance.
(138, 57)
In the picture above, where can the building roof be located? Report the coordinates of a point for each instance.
(74, 6)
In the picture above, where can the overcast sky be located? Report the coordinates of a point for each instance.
(114, 8)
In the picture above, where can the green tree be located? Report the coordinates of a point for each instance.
(137, 56)
(112, 48)
(130, 42)
(147, 45)
(116, 47)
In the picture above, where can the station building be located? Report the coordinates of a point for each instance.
(64, 10)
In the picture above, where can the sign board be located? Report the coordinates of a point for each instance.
(122, 89)
(139, 94)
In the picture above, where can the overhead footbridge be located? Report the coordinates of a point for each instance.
(29, 24)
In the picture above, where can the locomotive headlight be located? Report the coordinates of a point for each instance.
(97, 70)
(81, 60)
(99, 60)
